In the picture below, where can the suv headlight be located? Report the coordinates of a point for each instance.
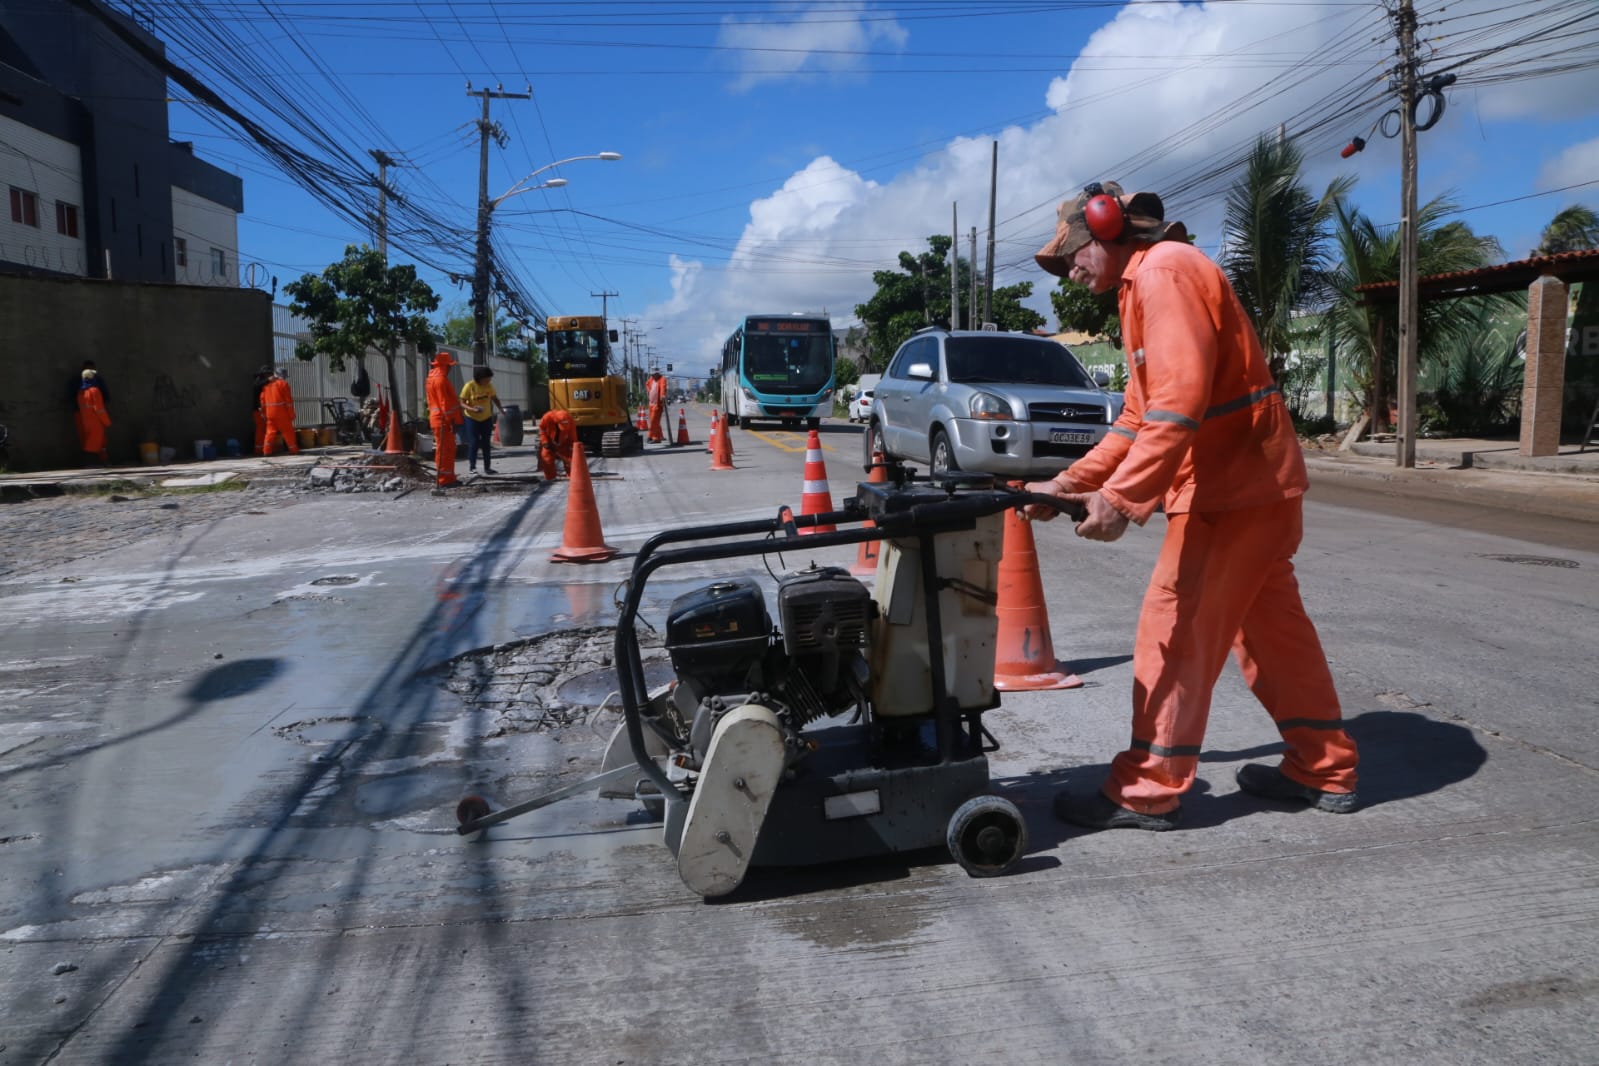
(987, 406)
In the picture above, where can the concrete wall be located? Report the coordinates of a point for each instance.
(178, 361)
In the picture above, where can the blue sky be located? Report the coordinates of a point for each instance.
(775, 154)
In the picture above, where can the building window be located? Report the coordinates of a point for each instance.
(180, 253)
(24, 207)
(66, 219)
(219, 263)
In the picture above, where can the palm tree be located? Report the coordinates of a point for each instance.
(1573, 230)
(1276, 243)
(1367, 335)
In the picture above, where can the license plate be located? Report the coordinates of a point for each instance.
(1070, 436)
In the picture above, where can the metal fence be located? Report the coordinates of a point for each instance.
(315, 382)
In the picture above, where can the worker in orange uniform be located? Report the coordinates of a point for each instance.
(1206, 436)
(277, 403)
(444, 414)
(655, 389)
(92, 420)
(257, 385)
(557, 434)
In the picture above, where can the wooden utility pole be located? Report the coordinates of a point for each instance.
(971, 304)
(1408, 317)
(481, 260)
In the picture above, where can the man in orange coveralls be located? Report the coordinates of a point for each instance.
(557, 434)
(92, 419)
(1205, 433)
(444, 414)
(277, 403)
(656, 390)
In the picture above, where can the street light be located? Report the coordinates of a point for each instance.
(480, 273)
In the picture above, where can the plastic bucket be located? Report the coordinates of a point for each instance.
(511, 425)
(203, 449)
(324, 436)
(307, 438)
(168, 454)
(234, 450)
(149, 453)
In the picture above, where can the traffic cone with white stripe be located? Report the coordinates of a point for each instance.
(1024, 655)
(817, 498)
(682, 428)
(866, 557)
(641, 424)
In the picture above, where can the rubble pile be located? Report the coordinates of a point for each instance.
(374, 472)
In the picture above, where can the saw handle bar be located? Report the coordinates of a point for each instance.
(925, 519)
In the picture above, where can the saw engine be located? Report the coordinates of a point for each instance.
(727, 653)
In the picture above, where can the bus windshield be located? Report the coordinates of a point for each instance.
(577, 353)
(790, 364)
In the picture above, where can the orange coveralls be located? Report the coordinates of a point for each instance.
(277, 403)
(444, 414)
(656, 390)
(1206, 433)
(557, 434)
(92, 423)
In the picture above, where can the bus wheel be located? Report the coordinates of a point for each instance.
(743, 422)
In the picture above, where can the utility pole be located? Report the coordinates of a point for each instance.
(384, 162)
(604, 306)
(480, 272)
(954, 267)
(1408, 317)
(627, 337)
(993, 185)
(971, 304)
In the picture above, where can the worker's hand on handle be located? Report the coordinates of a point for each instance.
(1104, 522)
(1039, 512)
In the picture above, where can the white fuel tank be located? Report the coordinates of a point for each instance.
(901, 679)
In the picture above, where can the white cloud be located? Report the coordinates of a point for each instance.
(1574, 166)
(802, 39)
(1157, 98)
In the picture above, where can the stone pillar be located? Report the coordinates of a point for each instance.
(1543, 386)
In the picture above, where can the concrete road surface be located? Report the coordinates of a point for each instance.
(236, 726)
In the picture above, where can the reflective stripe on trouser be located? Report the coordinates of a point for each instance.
(656, 436)
(444, 450)
(1225, 580)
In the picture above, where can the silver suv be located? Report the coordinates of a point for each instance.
(1010, 404)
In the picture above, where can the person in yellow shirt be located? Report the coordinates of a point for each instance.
(479, 402)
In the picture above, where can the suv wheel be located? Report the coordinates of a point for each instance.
(943, 456)
(872, 442)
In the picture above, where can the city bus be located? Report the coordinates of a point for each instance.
(779, 368)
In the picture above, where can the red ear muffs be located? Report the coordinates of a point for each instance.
(1104, 218)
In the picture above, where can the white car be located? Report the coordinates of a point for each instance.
(860, 408)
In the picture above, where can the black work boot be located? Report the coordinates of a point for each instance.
(1099, 811)
(1269, 782)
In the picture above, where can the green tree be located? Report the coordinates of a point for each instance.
(1575, 229)
(918, 295)
(1366, 331)
(1078, 310)
(361, 304)
(1277, 244)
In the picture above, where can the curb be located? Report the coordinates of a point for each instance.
(1552, 495)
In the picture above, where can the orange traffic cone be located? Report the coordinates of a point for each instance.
(641, 423)
(581, 538)
(721, 448)
(866, 558)
(1024, 656)
(710, 442)
(816, 498)
(682, 427)
(394, 440)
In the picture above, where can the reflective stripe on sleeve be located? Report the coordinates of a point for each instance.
(1247, 400)
(1175, 417)
(1123, 431)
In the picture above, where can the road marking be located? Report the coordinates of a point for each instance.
(783, 439)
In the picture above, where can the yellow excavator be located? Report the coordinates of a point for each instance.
(578, 351)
